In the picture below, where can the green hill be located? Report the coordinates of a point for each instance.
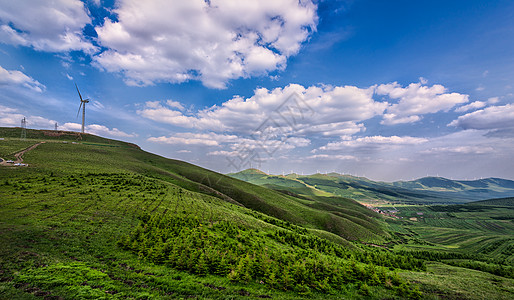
(94, 154)
(506, 202)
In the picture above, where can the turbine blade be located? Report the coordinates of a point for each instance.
(79, 109)
(78, 92)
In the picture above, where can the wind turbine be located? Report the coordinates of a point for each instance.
(83, 105)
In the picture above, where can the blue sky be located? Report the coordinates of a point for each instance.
(390, 90)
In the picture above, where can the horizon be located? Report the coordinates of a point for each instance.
(387, 91)
(358, 176)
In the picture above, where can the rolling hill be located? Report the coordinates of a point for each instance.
(428, 190)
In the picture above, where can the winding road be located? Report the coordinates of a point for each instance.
(19, 155)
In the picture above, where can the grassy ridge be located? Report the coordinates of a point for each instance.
(82, 157)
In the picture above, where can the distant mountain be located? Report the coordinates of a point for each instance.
(471, 190)
(423, 190)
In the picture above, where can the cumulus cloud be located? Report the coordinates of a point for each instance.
(175, 104)
(416, 100)
(164, 113)
(55, 27)
(234, 144)
(493, 117)
(293, 109)
(96, 129)
(471, 106)
(212, 41)
(493, 100)
(14, 77)
(10, 117)
(188, 138)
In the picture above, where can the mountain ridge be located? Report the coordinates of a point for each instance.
(426, 189)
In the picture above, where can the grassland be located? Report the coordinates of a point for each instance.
(482, 228)
(476, 236)
(93, 220)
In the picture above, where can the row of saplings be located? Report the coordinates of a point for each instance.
(244, 255)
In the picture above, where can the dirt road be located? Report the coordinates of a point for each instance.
(19, 155)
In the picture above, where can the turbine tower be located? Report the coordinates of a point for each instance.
(23, 128)
(83, 106)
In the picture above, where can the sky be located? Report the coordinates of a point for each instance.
(389, 90)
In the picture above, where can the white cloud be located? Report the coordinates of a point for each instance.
(96, 129)
(373, 142)
(416, 100)
(231, 145)
(188, 138)
(10, 117)
(493, 117)
(154, 110)
(175, 104)
(182, 141)
(493, 100)
(334, 129)
(13, 77)
(54, 27)
(229, 39)
(292, 110)
(471, 106)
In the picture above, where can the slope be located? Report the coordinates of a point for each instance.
(421, 191)
(81, 153)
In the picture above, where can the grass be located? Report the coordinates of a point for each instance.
(10, 146)
(448, 282)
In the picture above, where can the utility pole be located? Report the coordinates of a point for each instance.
(23, 128)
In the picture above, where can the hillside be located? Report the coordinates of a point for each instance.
(91, 155)
(92, 218)
(424, 190)
(101, 210)
(506, 202)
